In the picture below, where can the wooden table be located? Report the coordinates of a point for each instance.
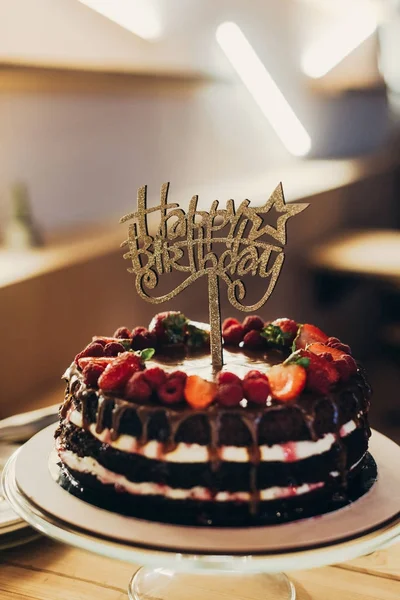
(46, 570)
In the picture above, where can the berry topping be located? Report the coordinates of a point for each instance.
(308, 334)
(155, 376)
(253, 340)
(103, 341)
(253, 322)
(142, 338)
(171, 392)
(199, 393)
(229, 394)
(225, 378)
(113, 349)
(169, 327)
(344, 363)
(92, 349)
(333, 342)
(233, 334)
(138, 388)
(256, 387)
(122, 333)
(91, 374)
(321, 372)
(179, 375)
(286, 381)
(254, 374)
(119, 371)
(280, 332)
(228, 322)
(95, 360)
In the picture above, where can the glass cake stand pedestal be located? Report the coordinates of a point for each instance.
(193, 563)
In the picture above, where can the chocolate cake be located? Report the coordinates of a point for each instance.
(148, 429)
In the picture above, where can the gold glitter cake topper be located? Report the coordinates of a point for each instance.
(184, 242)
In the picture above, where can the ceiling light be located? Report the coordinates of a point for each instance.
(263, 89)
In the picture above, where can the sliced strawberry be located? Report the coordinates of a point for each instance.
(119, 371)
(199, 393)
(92, 360)
(286, 381)
(308, 334)
(344, 363)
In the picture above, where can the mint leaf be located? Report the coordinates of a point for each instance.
(303, 362)
(146, 354)
(126, 343)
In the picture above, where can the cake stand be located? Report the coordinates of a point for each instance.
(213, 563)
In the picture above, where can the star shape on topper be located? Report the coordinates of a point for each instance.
(276, 201)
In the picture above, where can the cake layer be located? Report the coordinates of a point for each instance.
(221, 476)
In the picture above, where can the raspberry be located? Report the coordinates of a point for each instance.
(178, 375)
(92, 349)
(142, 338)
(122, 333)
(113, 349)
(119, 371)
(101, 341)
(228, 322)
(225, 378)
(138, 388)
(253, 340)
(229, 394)
(346, 366)
(256, 389)
(321, 372)
(91, 374)
(333, 342)
(254, 374)
(253, 322)
(233, 335)
(155, 377)
(288, 326)
(171, 392)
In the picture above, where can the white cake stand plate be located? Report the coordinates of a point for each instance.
(206, 562)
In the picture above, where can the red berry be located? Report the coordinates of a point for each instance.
(142, 338)
(138, 388)
(178, 375)
(91, 374)
(95, 360)
(171, 392)
(233, 335)
(113, 349)
(308, 334)
(254, 374)
(321, 372)
(253, 340)
(155, 377)
(288, 326)
(229, 394)
(256, 389)
(122, 333)
(253, 322)
(225, 378)
(101, 340)
(334, 342)
(119, 371)
(92, 349)
(228, 322)
(344, 363)
(286, 381)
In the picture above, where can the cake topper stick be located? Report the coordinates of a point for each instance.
(184, 242)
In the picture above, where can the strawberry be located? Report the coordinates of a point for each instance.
(92, 349)
(229, 395)
(308, 334)
(95, 360)
(280, 332)
(233, 335)
(286, 381)
(344, 363)
(253, 322)
(169, 327)
(137, 388)
(288, 327)
(119, 371)
(322, 374)
(253, 340)
(197, 337)
(228, 322)
(199, 393)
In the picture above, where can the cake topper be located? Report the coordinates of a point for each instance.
(185, 242)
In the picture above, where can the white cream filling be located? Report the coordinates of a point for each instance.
(195, 453)
(91, 466)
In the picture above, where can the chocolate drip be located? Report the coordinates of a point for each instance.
(254, 455)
